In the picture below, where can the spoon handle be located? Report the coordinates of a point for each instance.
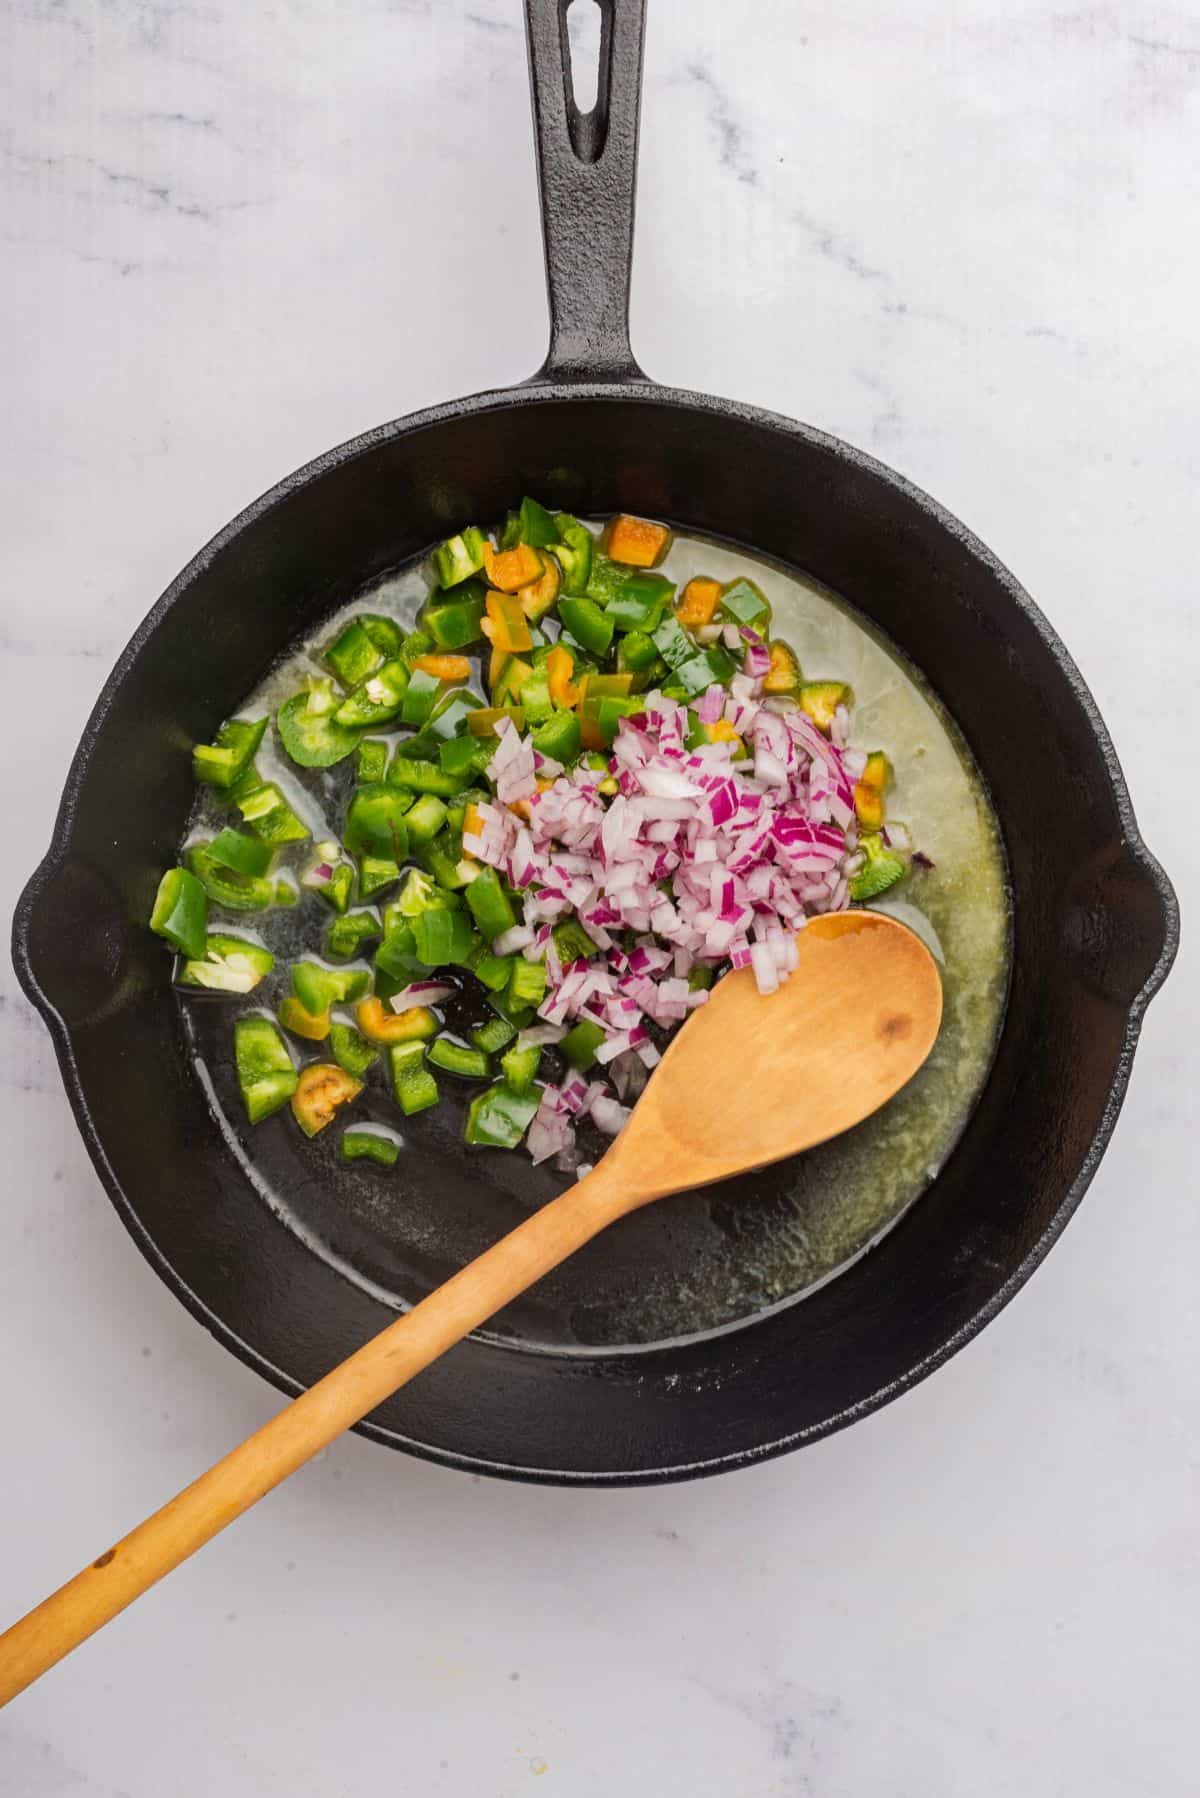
(304, 1427)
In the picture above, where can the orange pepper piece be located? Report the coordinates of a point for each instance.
(445, 668)
(638, 542)
(560, 666)
(379, 1024)
(511, 569)
(472, 820)
(868, 805)
(697, 604)
(510, 627)
(723, 732)
(312, 1025)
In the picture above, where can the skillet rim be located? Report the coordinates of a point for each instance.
(539, 391)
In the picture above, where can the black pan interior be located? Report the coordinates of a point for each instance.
(1093, 927)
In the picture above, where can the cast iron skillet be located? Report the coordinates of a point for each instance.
(292, 1278)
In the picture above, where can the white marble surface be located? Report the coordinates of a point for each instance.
(962, 234)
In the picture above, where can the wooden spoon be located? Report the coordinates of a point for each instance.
(747, 1081)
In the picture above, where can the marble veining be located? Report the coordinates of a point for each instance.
(960, 234)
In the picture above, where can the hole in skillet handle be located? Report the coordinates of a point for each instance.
(71, 940)
(584, 22)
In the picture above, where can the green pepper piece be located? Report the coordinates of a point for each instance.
(449, 717)
(375, 824)
(425, 818)
(536, 703)
(223, 763)
(700, 979)
(493, 1036)
(606, 579)
(286, 891)
(330, 877)
(347, 934)
(414, 1086)
(589, 625)
(490, 905)
(351, 1050)
(236, 892)
(384, 633)
(420, 695)
(180, 913)
(605, 712)
(881, 870)
(558, 738)
(230, 965)
(425, 777)
(572, 942)
(744, 603)
(499, 1117)
(454, 619)
(520, 1068)
(456, 1058)
(265, 1072)
(494, 971)
(375, 700)
(269, 815)
(639, 603)
(636, 653)
(245, 855)
(418, 894)
(441, 937)
(535, 525)
(352, 655)
(396, 956)
(375, 874)
(527, 984)
(418, 643)
(675, 645)
(459, 557)
(578, 1047)
(364, 1144)
(308, 729)
(465, 756)
(317, 987)
(372, 760)
(443, 858)
(573, 553)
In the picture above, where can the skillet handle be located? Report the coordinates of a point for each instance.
(587, 172)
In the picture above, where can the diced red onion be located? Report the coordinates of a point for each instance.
(420, 992)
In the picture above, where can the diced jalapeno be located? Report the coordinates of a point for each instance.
(573, 553)
(236, 892)
(222, 764)
(490, 905)
(587, 623)
(245, 855)
(269, 815)
(441, 938)
(375, 700)
(230, 964)
(578, 1047)
(309, 730)
(266, 1074)
(744, 603)
(499, 1117)
(459, 557)
(493, 1036)
(180, 912)
(456, 1058)
(363, 1144)
(454, 619)
(348, 934)
(881, 870)
(414, 1086)
(520, 1068)
(351, 1050)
